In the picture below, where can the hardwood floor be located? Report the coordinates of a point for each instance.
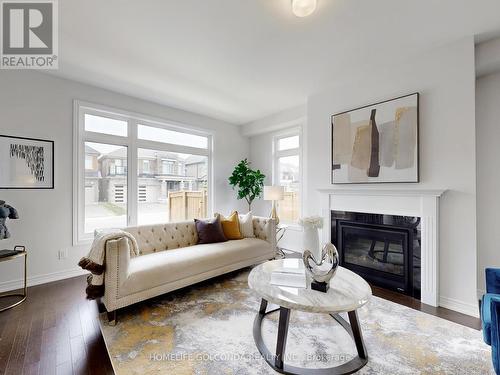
(441, 312)
(56, 330)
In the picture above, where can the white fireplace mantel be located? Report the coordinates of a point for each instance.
(404, 192)
(404, 201)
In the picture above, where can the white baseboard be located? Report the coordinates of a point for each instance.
(41, 279)
(459, 306)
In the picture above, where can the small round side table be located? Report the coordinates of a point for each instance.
(19, 251)
(348, 292)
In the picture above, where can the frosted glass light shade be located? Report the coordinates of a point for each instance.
(274, 193)
(303, 8)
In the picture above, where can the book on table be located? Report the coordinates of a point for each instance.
(288, 276)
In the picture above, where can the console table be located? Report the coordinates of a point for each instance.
(19, 251)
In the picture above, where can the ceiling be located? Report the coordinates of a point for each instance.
(241, 60)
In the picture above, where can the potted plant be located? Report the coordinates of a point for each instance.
(249, 182)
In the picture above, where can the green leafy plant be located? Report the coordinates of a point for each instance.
(249, 183)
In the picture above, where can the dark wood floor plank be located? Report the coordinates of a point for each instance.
(49, 318)
(79, 356)
(63, 348)
(32, 369)
(65, 368)
(34, 345)
(18, 350)
(48, 352)
(7, 334)
(74, 323)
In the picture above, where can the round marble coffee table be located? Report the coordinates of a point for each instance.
(347, 293)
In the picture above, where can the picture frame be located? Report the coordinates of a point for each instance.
(377, 143)
(26, 163)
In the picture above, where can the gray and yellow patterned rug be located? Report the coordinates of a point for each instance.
(207, 329)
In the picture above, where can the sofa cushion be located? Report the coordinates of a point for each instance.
(246, 225)
(209, 231)
(152, 270)
(230, 226)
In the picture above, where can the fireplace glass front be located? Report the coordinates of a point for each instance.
(383, 249)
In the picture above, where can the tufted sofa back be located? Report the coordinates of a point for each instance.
(261, 228)
(161, 237)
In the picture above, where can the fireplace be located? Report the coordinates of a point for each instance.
(383, 249)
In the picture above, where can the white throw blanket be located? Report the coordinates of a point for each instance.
(94, 261)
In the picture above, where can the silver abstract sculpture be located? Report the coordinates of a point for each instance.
(321, 272)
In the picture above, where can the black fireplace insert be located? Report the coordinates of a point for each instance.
(383, 249)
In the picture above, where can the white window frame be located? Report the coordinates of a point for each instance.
(80, 136)
(277, 154)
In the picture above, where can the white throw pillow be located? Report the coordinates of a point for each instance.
(246, 225)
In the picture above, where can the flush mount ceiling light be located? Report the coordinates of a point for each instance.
(303, 8)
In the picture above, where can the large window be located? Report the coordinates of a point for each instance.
(132, 170)
(287, 173)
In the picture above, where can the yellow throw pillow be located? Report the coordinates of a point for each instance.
(231, 226)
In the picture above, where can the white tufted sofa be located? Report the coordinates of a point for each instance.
(170, 259)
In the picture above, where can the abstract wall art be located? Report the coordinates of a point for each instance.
(26, 163)
(377, 143)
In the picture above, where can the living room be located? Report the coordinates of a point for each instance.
(249, 187)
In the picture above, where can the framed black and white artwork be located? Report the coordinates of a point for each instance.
(377, 143)
(26, 163)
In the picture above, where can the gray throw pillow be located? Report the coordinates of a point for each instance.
(209, 231)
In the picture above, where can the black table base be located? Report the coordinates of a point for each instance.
(277, 361)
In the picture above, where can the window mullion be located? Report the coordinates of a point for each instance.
(78, 178)
(132, 174)
(104, 138)
(291, 152)
(169, 147)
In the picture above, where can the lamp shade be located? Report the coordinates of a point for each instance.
(274, 193)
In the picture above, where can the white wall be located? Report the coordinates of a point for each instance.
(289, 118)
(445, 79)
(488, 173)
(41, 106)
(488, 57)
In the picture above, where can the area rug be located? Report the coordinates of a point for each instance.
(207, 329)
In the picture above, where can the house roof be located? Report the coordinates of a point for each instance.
(90, 150)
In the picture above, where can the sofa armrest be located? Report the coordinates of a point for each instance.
(265, 229)
(492, 280)
(117, 269)
(495, 334)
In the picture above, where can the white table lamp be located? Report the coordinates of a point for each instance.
(274, 193)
